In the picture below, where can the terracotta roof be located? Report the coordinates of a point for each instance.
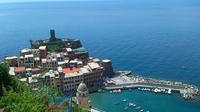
(67, 70)
(19, 69)
(81, 52)
(35, 69)
(48, 60)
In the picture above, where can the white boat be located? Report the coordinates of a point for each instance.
(138, 107)
(141, 110)
(117, 91)
(169, 91)
(126, 108)
(157, 90)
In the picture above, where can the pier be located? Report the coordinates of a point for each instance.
(123, 80)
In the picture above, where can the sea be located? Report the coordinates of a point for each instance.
(152, 38)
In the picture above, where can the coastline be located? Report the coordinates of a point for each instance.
(125, 81)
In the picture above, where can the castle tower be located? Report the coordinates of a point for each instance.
(107, 68)
(52, 33)
(82, 96)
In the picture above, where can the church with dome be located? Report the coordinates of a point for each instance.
(82, 96)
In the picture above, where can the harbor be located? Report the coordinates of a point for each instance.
(123, 80)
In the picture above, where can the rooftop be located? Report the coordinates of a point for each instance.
(93, 65)
(58, 55)
(35, 69)
(11, 57)
(44, 60)
(25, 50)
(69, 49)
(42, 48)
(68, 70)
(50, 74)
(19, 69)
(48, 60)
(73, 61)
(106, 61)
(62, 62)
(83, 70)
(81, 52)
(54, 59)
(96, 60)
(37, 58)
(29, 56)
(28, 69)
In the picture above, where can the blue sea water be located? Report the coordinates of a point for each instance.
(153, 38)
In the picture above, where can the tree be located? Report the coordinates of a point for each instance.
(6, 80)
(23, 101)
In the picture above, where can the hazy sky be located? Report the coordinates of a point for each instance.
(10, 1)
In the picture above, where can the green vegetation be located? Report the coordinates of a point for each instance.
(7, 81)
(23, 101)
(17, 96)
(76, 108)
(56, 46)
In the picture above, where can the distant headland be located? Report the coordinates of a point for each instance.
(56, 44)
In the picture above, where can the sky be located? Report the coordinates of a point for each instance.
(13, 1)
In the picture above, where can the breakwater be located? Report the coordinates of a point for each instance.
(123, 81)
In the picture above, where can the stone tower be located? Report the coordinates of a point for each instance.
(108, 69)
(52, 33)
(82, 96)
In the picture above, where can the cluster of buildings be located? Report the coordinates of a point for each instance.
(63, 70)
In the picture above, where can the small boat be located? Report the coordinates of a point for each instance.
(117, 91)
(101, 91)
(157, 90)
(147, 111)
(169, 91)
(141, 110)
(123, 100)
(116, 103)
(111, 92)
(138, 107)
(130, 104)
(126, 108)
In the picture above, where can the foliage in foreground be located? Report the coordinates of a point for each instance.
(76, 108)
(7, 81)
(23, 101)
(16, 96)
